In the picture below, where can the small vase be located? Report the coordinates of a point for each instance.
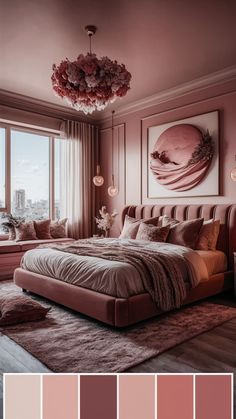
(107, 233)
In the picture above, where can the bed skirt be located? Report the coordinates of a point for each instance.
(119, 312)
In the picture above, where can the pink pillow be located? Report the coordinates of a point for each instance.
(25, 231)
(58, 228)
(208, 235)
(42, 228)
(131, 226)
(185, 233)
(152, 233)
(19, 308)
(164, 220)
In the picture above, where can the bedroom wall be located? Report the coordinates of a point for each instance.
(133, 126)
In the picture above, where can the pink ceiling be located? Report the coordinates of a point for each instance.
(162, 42)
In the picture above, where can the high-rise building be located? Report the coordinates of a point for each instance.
(19, 199)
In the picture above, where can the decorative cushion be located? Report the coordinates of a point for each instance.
(25, 231)
(131, 226)
(208, 235)
(19, 308)
(42, 228)
(152, 233)
(185, 233)
(58, 228)
(164, 220)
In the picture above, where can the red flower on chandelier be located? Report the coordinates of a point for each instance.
(90, 83)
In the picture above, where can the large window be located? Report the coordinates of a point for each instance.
(31, 160)
(2, 168)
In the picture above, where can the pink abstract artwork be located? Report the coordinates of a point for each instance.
(183, 157)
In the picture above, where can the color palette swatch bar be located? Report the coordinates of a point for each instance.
(175, 396)
(137, 396)
(98, 396)
(118, 396)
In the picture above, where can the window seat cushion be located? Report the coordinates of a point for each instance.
(8, 246)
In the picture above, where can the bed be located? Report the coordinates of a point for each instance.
(135, 304)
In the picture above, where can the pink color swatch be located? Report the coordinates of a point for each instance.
(98, 397)
(175, 396)
(22, 397)
(60, 397)
(213, 397)
(137, 397)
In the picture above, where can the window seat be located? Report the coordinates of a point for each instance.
(11, 253)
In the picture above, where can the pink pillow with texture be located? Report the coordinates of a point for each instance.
(185, 233)
(42, 228)
(19, 308)
(208, 235)
(165, 220)
(58, 229)
(152, 233)
(25, 231)
(131, 226)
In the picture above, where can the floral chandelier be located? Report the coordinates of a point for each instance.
(90, 83)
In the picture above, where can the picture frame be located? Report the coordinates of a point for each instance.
(209, 184)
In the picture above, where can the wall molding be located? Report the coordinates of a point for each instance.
(41, 107)
(38, 106)
(199, 84)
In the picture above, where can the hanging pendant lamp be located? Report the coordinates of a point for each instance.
(112, 189)
(98, 180)
(90, 83)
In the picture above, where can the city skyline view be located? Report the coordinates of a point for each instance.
(30, 161)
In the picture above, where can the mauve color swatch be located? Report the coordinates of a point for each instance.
(98, 396)
(213, 397)
(175, 396)
(60, 397)
(136, 397)
(22, 397)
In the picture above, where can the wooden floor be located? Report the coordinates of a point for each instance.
(213, 351)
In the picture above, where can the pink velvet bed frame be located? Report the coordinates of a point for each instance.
(121, 312)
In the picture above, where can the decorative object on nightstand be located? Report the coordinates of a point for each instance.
(105, 221)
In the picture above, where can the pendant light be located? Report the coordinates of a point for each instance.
(98, 180)
(233, 172)
(113, 189)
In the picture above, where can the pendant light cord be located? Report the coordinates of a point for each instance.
(112, 147)
(90, 43)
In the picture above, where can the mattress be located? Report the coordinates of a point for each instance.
(114, 278)
(215, 261)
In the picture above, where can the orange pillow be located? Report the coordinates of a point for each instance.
(208, 235)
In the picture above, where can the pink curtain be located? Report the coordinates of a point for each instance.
(78, 152)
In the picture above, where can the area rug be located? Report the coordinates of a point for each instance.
(69, 342)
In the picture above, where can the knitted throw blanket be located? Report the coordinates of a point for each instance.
(161, 273)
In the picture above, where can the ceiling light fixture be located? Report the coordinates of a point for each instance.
(113, 189)
(90, 83)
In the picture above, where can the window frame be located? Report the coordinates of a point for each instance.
(44, 133)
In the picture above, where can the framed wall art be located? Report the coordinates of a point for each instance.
(183, 157)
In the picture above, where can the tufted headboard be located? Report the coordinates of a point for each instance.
(225, 213)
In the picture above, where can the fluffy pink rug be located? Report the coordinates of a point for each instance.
(68, 342)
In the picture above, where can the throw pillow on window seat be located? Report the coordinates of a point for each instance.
(58, 228)
(42, 228)
(25, 231)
